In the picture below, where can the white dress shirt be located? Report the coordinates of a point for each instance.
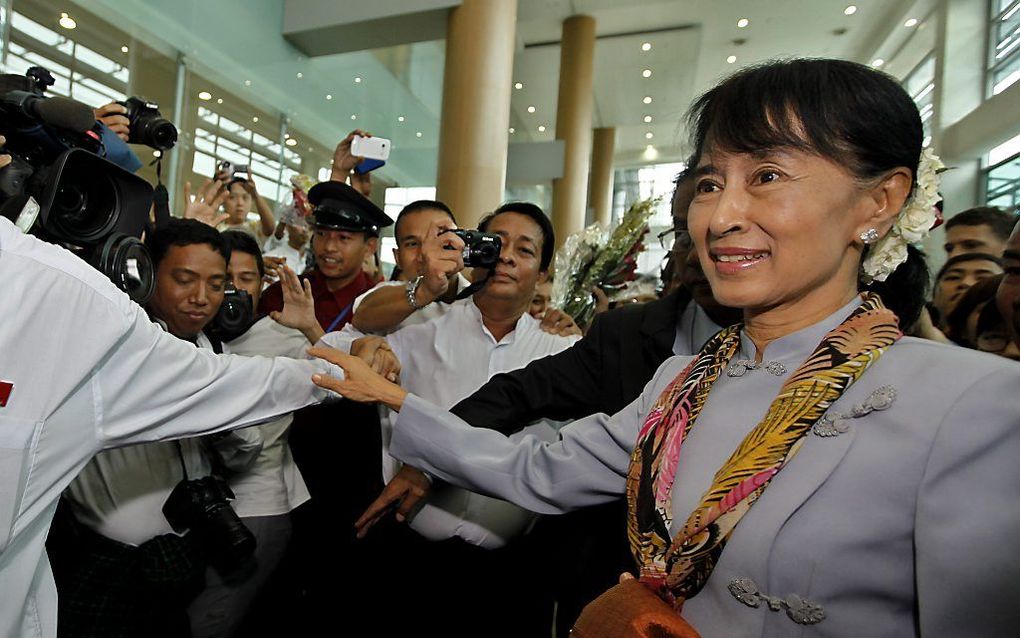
(86, 371)
(281, 248)
(273, 484)
(446, 360)
(432, 311)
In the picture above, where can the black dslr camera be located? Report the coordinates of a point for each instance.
(148, 126)
(481, 250)
(235, 316)
(202, 505)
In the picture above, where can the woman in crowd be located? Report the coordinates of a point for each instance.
(811, 471)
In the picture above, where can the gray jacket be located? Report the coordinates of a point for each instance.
(904, 521)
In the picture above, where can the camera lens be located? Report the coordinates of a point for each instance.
(126, 261)
(157, 132)
(85, 205)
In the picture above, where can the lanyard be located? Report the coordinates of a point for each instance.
(340, 317)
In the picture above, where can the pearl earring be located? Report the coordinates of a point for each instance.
(869, 236)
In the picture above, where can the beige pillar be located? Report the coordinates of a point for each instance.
(476, 107)
(601, 187)
(573, 124)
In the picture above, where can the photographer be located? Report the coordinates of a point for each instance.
(267, 491)
(241, 192)
(119, 497)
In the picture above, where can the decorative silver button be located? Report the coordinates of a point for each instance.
(740, 367)
(800, 611)
(835, 424)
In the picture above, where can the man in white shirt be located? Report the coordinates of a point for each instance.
(83, 370)
(447, 359)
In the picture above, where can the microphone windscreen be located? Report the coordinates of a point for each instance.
(65, 113)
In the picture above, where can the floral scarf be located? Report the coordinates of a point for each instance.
(677, 569)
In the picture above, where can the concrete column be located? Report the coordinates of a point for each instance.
(476, 107)
(601, 187)
(573, 124)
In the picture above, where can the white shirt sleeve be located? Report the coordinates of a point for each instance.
(155, 387)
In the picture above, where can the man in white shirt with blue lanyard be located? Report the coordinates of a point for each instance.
(448, 358)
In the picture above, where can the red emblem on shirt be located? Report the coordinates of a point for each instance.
(5, 392)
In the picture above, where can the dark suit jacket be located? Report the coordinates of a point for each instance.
(602, 372)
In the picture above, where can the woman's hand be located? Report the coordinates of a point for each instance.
(360, 382)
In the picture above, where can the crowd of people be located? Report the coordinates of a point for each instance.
(493, 469)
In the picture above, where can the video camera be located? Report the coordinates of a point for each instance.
(60, 188)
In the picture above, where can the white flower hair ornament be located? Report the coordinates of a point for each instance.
(915, 221)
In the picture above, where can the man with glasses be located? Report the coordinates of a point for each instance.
(602, 372)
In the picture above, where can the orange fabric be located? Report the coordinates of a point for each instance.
(631, 610)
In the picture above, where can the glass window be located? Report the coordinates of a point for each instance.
(920, 84)
(1004, 45)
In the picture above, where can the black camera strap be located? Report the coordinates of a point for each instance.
(476, 286)
(160, 197)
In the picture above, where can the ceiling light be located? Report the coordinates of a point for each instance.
(247, 82)
(309, 149)
(291, 141)
(743, 22)
(205, 95)
(647, 73)
(651, 152)
(648, 119)
(418, 134)
(649, 135)
(646, 46)
(329, 96)
(354, 116)
(255, 119)
(910, 22)
(877, 62)
(731, 59)
(531, 109)
(850, 10)
(300, 75)
(647, 100)
(357, 80)
(541, 129)
(512, 130)
(219, 100)
(124, 49)
(518, 86)
(400, 118)
(67, 21)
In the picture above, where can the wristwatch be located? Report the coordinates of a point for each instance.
(412, 288)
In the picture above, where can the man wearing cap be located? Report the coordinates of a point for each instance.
(345, 228)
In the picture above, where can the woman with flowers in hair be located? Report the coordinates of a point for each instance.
(811, 471)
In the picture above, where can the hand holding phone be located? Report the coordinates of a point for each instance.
(376, 148)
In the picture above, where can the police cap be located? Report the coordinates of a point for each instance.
(338, 206)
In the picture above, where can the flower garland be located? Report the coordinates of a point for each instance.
(915, 221)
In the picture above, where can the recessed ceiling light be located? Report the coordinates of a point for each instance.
(911, 22)
(67, 21)
(850, 10)
(247, 82)
(646, 46)
(309, 149)
(124, 49)
(291, 141)
(731, 59)
(418, 134)
(400, 118)
(329, 96)
(518, 85)
(648, 119)
(877, 62)
(651, 152)
(541, 129)
(647, 73)
(354, 116)
(357, 80)
(649, 135)
(647, 100)
(255, 119)
(300, 75)
(205, 95)
(512, 130)
(743, 22)
(531, 108)
(219, 100)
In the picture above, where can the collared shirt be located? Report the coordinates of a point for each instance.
(446, 360)
(329, 304)
(87, 371)
(432, 311)
(693, 329)
(295, 258)
(273, 484)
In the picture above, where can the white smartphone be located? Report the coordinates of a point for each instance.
(377, 148)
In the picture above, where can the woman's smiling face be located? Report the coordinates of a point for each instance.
(777, 229)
